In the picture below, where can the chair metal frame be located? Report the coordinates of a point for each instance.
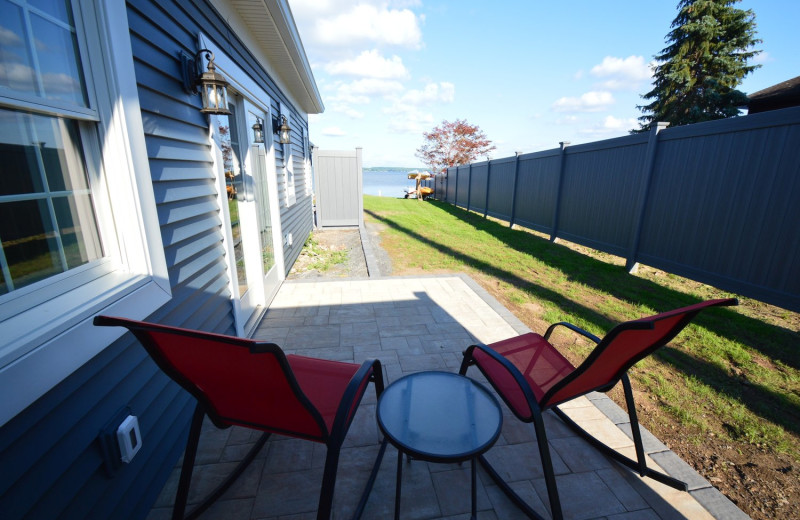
(369, 371)
(554, 396)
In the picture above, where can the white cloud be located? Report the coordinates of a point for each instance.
(567, 120)
(408, 119)
(443, 92)
(344, 24)
(761, 58)
(362, 90)
(369, 64)
(406, 115)
(588, 102)
(623, 73)
(611, 125)
(333, 131)
(9, 38)
(344, 108)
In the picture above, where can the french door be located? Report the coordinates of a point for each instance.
(252, 227)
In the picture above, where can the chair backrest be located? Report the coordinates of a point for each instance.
(239, 381)
(621, 348)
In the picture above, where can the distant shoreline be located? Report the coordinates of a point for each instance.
(377, 169)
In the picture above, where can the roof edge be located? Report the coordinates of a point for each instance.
(282, 15)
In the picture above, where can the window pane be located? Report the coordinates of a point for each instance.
(16, 69)
(19, 164)
(59, 145)
(29, 241)
(47, 219)
(75, 221)
(57, 8)
(59, 62)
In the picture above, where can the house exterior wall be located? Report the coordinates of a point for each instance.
(52, 466)
(297, 219)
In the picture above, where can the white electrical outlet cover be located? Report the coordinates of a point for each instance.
(129, 438)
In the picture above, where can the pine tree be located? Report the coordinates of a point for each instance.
(707, 58)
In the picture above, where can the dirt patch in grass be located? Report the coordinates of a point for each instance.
(334, 253)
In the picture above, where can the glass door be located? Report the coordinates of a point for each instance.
(265, 184)
(231, 142)
(252, 227)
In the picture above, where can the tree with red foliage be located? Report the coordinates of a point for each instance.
(453, 143)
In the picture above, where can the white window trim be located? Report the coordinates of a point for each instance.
(306, 163)
(289, 179)
(51, 341)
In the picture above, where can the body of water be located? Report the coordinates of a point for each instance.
(387, 183)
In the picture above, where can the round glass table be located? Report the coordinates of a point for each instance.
(438, 417)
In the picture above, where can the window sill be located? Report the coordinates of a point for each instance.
(46, 344)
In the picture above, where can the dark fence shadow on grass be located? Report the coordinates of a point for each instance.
(775, 342)
(721, 321)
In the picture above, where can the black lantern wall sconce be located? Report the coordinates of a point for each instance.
(211, 84)
(282, 129)
(258, 131)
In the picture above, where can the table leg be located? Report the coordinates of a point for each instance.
(398, 485)
(474, 499)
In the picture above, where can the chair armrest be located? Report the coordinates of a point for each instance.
(519, 379)
(572, 327)
(371, 368)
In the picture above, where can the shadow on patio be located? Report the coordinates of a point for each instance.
(411, 325)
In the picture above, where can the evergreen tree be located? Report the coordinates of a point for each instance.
(697, 73)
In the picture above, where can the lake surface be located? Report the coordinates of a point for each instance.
(387, 183)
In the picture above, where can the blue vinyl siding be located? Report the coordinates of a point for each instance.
(50, 458)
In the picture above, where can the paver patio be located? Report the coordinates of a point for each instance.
(414, 324)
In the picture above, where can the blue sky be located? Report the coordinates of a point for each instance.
(529, 73)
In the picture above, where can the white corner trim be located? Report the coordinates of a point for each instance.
(147, 254)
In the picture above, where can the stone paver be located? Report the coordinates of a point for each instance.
(424, 323)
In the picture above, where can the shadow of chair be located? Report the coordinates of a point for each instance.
(253, 384)
(531, 376)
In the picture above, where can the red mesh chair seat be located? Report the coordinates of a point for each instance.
(248, 383)
(531, 376)
(324, 383)
(540, 364)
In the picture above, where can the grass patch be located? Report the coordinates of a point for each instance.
(734, 372)
(317, 257)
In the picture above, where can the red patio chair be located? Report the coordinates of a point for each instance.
(531, 376)
(248, 383)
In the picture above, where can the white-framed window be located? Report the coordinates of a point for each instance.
(79, 232)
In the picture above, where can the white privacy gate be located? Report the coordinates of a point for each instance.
(338, 188)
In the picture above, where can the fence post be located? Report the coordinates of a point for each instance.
(561, 161)
(647, 174)
(514, 191)
(455, 195)
(469, 185)
(488, 177)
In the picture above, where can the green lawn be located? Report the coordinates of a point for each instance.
(734, 375)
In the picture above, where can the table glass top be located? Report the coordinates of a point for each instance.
(439, 415)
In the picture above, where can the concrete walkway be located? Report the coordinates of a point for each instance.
(415, 324)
